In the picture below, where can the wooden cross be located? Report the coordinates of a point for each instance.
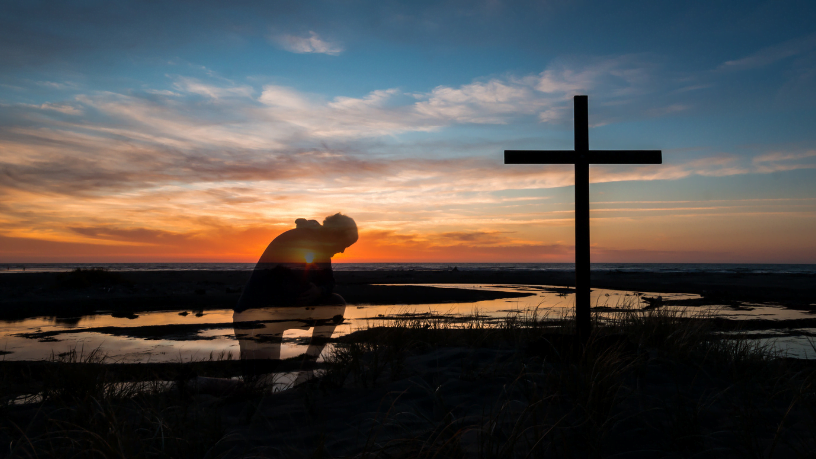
(582, 157)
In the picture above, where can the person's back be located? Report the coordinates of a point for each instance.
(295, 269)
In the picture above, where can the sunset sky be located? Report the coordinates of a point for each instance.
(198, 131)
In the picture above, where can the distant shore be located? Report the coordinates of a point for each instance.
(65, 294)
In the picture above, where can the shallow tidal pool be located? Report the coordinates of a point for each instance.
(185, 336)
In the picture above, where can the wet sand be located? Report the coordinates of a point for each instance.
(59, 294)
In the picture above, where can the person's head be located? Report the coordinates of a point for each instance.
(342, 230)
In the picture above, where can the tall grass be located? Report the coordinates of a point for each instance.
(662, 372)
(80, 412)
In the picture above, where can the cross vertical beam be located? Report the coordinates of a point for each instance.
(582, 261)
(582, 157)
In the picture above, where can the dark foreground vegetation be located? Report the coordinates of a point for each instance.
(648, 384)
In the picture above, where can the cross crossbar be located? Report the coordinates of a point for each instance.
(592, 156)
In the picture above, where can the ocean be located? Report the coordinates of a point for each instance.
(599, 267)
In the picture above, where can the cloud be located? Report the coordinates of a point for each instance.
(488, 102)
(195, 86)
(372, 115)
(209, 157)
(58, 107)
(131, 235)
(784, 161)
(395, 246)
(673, 108)
(307, 44)
(162, 92)
(548, 94)
(783, 156)
(56, 85)
(772, 54)
(481, 238)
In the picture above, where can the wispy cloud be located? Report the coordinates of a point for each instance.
(58, 85)
(311, 43)
(783, 156)
(785, 161)
(548, 94)
(195, 86)
(490, 102)
(65, 108)
(771, 54)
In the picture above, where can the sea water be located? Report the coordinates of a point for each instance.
(737, 268)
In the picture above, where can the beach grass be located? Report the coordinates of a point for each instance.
(656, 382)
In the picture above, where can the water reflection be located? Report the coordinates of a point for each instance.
(260, 331)
(216, 331)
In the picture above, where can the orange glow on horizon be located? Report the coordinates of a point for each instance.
(646, 243)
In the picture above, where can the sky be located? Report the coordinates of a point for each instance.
(198, 131)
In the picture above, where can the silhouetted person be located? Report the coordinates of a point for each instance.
(292, 287)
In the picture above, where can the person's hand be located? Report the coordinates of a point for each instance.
(309, 296)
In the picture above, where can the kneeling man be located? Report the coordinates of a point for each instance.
(292, 287)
